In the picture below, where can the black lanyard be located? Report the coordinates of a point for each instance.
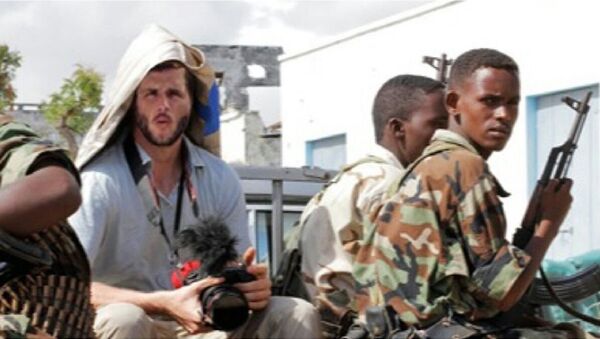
(150, 198)
(177, 219)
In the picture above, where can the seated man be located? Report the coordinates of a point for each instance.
(44, 273)
(439, 255)
(406, 111)
(146, 175)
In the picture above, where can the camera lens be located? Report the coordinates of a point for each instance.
(226, 306)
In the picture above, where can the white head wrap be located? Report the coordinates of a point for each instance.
(152, 47)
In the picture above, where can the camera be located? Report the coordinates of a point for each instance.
(212, 245)
(224, 304)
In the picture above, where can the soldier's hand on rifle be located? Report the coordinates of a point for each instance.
(554, 205)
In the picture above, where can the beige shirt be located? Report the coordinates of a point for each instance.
(333, 226)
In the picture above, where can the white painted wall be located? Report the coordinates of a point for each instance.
(233, 137)
(329, 89)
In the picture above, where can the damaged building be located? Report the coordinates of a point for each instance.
(248, 79)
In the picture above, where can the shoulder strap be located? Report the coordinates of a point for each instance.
(141, 179)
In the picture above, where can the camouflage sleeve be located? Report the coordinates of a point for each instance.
(495, 263)
(21, 149)
(398, 259)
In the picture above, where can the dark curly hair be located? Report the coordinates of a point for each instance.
(472, 60)
(398, 97)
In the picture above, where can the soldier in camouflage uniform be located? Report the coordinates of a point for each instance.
(438, 248)
(38, 189)
(406, 112)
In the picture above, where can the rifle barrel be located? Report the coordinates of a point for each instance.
(568, 148)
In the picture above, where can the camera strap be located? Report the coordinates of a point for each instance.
(149, 194)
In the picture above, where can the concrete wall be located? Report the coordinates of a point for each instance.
(242, 142)
(260, 150)
(328, 89)
(38, 123)
(243, 69)
(233, 62)
(233, 138)
(31, 115)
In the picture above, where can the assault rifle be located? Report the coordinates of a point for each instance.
(441, 64)
(557, 167)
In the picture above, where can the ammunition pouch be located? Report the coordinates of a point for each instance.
(384, 323)
(360, 331)
(46, 278)
(381, 323)
(333, 326)
(18, 257)
(458, 328)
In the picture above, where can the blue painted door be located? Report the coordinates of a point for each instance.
(328, 153)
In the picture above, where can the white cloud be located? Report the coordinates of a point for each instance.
(275, 32)
(17, 16)
(272, 6)
(54, 36)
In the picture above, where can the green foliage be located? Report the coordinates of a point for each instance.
(9, 62)
(72, 107)
(71, 110)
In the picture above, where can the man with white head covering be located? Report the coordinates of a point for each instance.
(147, 172)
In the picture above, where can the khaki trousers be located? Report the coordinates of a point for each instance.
(284, 317)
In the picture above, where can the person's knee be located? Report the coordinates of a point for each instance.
(302, 309)
(298, 316)
(122, 320)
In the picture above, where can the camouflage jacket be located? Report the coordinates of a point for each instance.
(438, 245)
(332, 228)
(56, 299)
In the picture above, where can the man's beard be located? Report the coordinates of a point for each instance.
(142, 123)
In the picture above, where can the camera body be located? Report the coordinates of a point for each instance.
(211, 243)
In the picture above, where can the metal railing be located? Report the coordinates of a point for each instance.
(277, 176)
